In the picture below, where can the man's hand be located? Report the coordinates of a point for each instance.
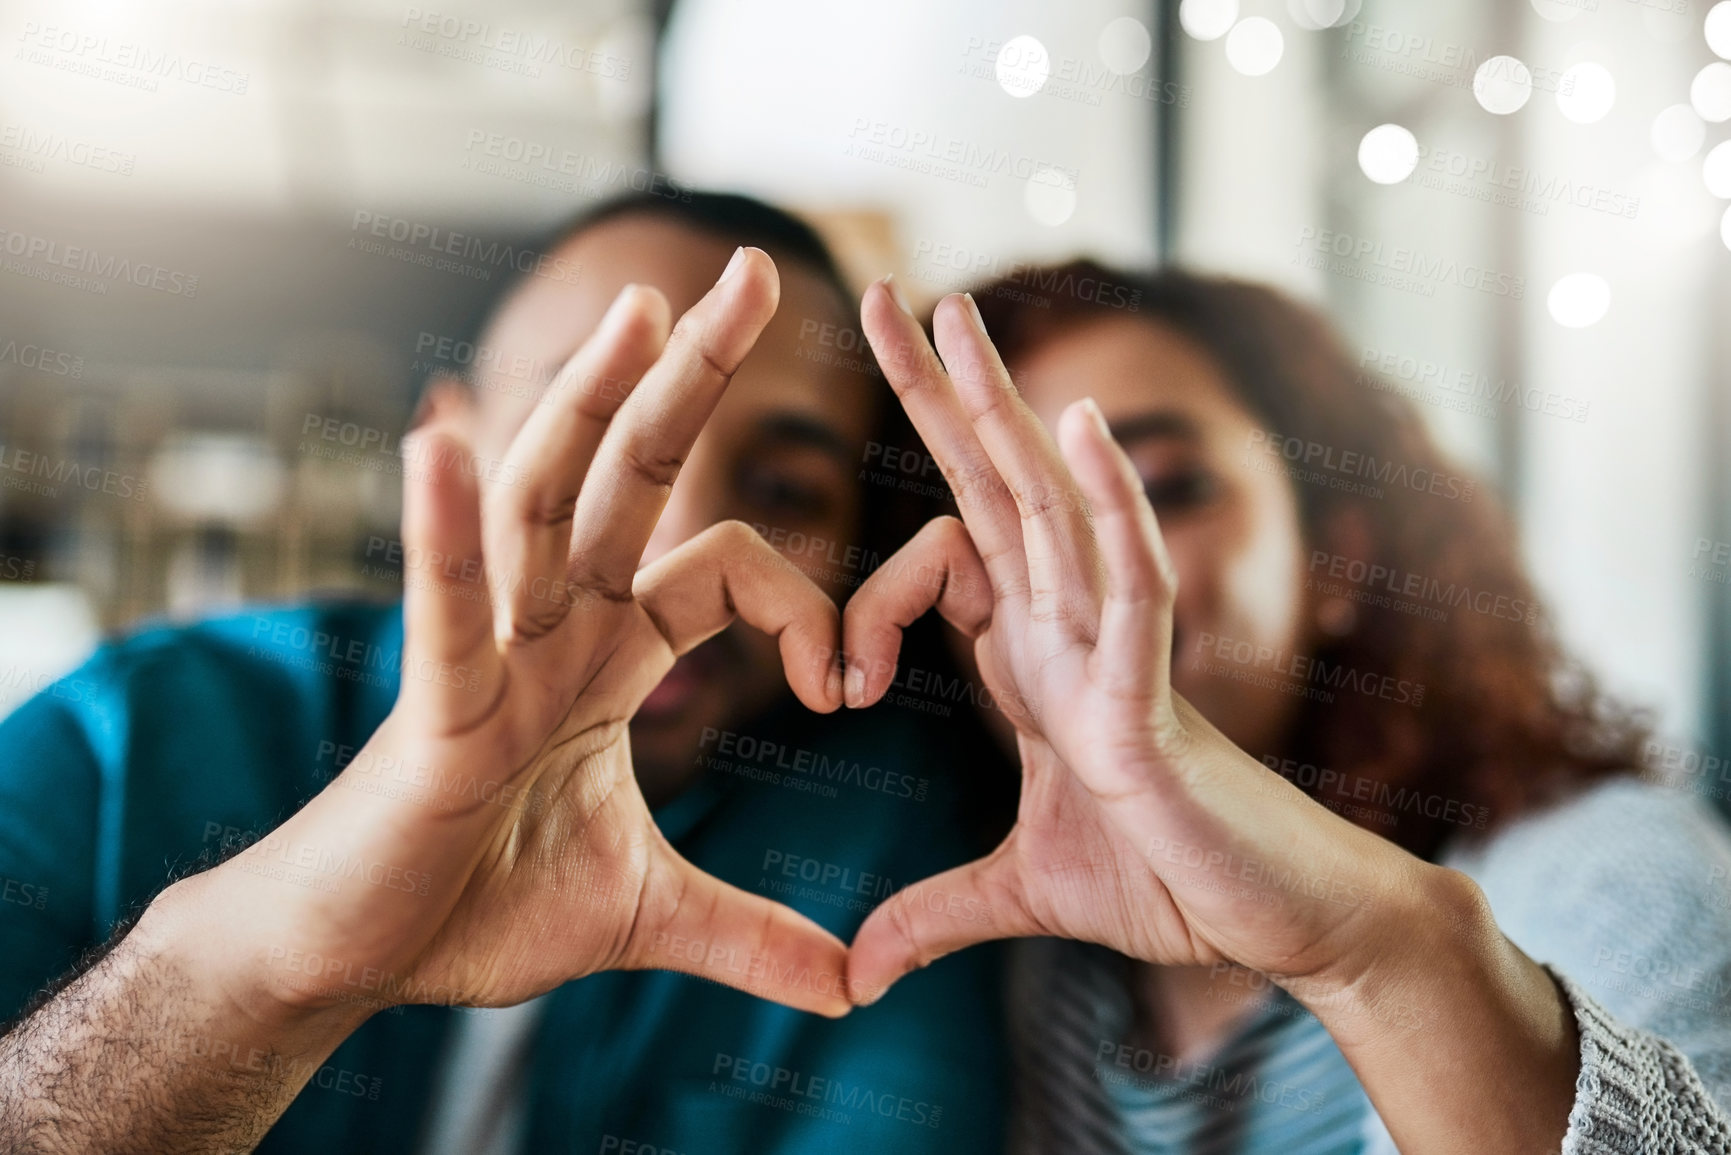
(501, 841)
(489, 842)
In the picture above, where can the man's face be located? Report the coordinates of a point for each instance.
(782, 452)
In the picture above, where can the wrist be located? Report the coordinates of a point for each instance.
(1429, 935)
(187, 936)
(1443, 1010)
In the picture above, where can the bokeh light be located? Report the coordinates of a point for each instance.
(1502, 84)
(1388, 154)
(1207, 19)
(1678, 133)
(1579, 300)
(1023, 66)
(1586, 93)
(1254, 46)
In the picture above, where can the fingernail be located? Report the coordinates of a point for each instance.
(733, 265)
(832, 689)
(618, 309)
(1098, 418)
(974, 312)
(896, 294)
(855, 687)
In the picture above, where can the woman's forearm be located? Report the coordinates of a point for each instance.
(1462, 1042)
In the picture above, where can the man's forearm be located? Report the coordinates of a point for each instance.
(143, 1052)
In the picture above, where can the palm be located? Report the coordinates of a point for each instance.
(1077, 875)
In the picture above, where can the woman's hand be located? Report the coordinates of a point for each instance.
(1140, 826)
(490, 841)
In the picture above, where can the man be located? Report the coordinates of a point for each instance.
(482, 839)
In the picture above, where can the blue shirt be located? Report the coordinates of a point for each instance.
(177, 741)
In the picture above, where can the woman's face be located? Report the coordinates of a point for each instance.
(1232, 529)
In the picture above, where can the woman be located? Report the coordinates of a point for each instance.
(1335, 810)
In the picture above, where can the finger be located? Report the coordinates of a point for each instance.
(939, 566)
(924, 922)
(692, 922)
(729, 571)
(921, 384)
(649, 438)
(1063, 563)
(527, 527)
(449, 663)
(1133, 654)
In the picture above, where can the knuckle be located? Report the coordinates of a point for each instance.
(902, 923)
(734, 534)
(659, 470)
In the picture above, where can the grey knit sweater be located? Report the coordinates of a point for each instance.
(1624, 893)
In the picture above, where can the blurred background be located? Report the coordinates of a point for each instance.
(224, 231)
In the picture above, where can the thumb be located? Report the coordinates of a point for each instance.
(690, 921)
(916, 926)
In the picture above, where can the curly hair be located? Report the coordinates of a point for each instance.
(1508, 723)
